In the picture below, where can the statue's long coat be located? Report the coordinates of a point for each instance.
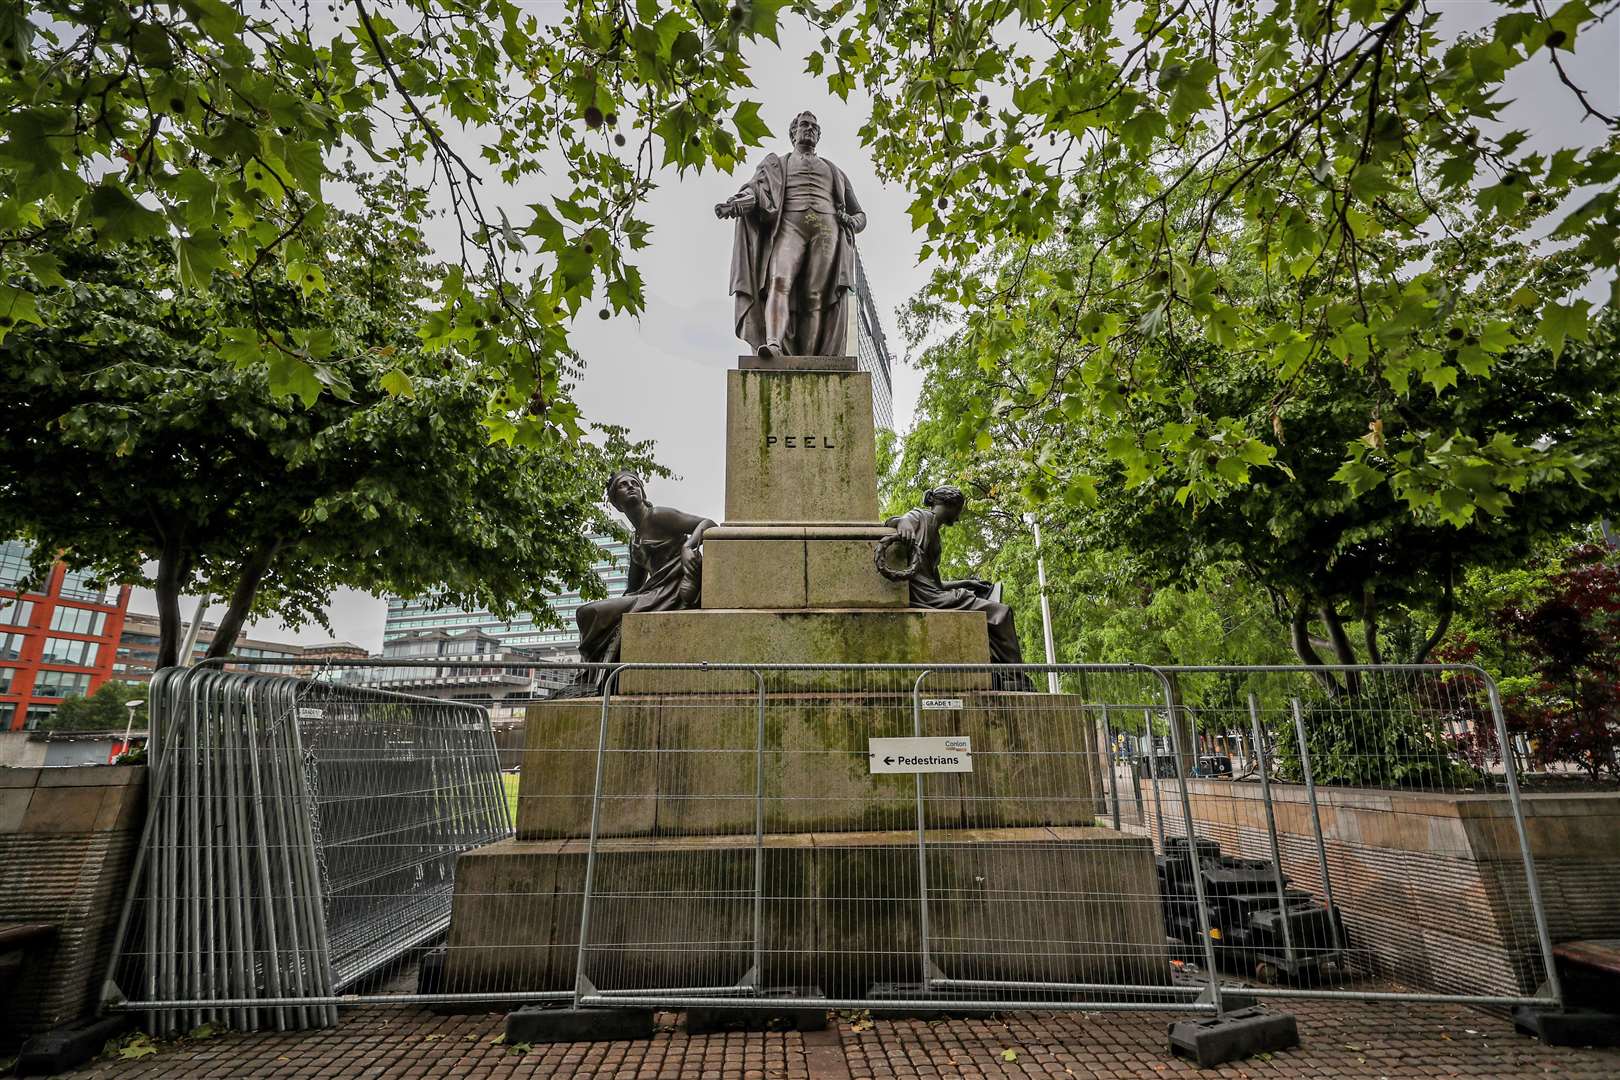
(751, 258)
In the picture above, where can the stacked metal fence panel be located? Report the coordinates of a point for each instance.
(299, 837)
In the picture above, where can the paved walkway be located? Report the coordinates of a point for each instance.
(1339, 1040)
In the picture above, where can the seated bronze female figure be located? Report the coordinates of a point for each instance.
(920, 527)
(666, 566)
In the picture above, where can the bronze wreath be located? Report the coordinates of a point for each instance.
(881, 549)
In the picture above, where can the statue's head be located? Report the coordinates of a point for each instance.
(626, 489)
(805, 130)
(946, 502)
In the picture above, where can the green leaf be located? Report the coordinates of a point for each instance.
(117, 217)
(16, 307)
(290, 375)
(240, 345)
(307, 277)
(1081, 490)
(46, 270)
(1563, 322)
(398, 384)
(1189, 88)
(1358, 476)
(751, 130)
(197, 258)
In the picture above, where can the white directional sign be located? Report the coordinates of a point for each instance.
(951, 753)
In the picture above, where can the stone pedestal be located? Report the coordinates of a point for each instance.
(1021, 885)
(840, 910)
(801, 493)
(800, 448)
(797, 566)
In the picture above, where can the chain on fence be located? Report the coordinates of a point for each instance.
(859, 835)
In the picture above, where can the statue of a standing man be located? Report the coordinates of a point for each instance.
(793, 261)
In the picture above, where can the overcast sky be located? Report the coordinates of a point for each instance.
(662, 375)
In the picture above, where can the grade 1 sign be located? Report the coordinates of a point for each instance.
(949, 753)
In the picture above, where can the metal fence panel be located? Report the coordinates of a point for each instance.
(715, 834)
(760, 851)
(1351, 786)
(299, 838)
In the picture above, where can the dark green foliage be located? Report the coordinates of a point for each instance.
(1383, 734)
(103, 710)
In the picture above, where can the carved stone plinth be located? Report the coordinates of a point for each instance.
(800, 447)
(805, 566)
(826, 636)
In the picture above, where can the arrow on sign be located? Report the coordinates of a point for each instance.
(888, 761)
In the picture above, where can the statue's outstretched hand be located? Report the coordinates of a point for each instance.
(725, 210)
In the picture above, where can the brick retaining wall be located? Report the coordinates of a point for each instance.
(1431, 886)
(67, 837)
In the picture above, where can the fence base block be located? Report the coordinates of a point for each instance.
(536, 1024)
(1568, 1027)
(1215, 1040)
(64, 1048)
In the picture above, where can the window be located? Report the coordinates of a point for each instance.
(14, 562)
(15, 612)
(61, 683)
(11, 646)
(68, 651)
(77, 585)
(7, 675)
(37, 714)
(72, 620)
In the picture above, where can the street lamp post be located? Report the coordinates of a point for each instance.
(131, 705)
(1046, 611)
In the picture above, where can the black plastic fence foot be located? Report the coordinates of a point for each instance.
(1215, 1040)
(1568, 1026)
(536, 1024)
(63, 1048)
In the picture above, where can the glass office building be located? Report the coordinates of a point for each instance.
(872, 350)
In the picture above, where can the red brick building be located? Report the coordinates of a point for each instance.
(55, 642)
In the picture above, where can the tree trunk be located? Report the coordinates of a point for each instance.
(1447, 603)
(1342, 648)
(1369, 627)
(254, 567)
(1299, 631)
(167, 586)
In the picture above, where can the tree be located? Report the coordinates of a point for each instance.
(130, 439)
(104, 710)
(1566, 633)
(1103, 609)
(1287, 484)
(219, 130)
(1352, 150)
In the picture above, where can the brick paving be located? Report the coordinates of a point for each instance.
(1339, 1040)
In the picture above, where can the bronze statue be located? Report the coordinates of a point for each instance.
(666, 566)
(793, 260)
(919, 528)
